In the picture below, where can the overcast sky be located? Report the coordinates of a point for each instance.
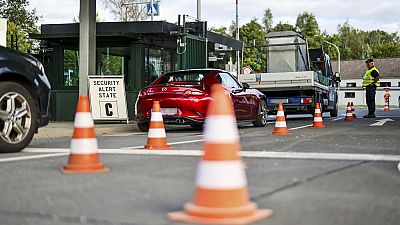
(363, 14)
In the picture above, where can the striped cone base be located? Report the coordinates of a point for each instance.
(227, 216)
(79, 164)
(386, 108)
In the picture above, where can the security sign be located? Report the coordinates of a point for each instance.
(107, 98)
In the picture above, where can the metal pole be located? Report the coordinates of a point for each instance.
(151, 9)
(338, 50)
(199, 9)
(87, 43)
(237, 37)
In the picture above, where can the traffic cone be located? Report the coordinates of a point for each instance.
(353, 111)
(386, 109)
(84, 157)
(280, 124)
(221, 195)
(349, 113)
(318, 123)
(156, 137)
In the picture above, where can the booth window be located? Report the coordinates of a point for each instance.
(386, 84)
(111, 60)
(71, 68)
(350, 95)
(157, 63)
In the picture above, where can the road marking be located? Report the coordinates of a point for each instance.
(301, 127)
(123, 134)
(13, 159)
(247, 154)
(381, 122)
(172, 143)
(337, 119)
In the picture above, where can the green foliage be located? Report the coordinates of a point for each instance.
(21, 22)
(253, 34)
(283, 27)
(307, 25)
(220, 30)
(267, 20)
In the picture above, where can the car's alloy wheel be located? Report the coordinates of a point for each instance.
(261, 120)
(17, 118)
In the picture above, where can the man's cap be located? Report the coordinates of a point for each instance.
(369, 61)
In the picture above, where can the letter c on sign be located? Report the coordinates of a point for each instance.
(109, 112)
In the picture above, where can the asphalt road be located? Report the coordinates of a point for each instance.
(344, 174)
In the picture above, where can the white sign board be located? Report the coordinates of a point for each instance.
(108, 98)
(3, 32)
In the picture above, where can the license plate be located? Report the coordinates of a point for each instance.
(277, 101)
(169, 111)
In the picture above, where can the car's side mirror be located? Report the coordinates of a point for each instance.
(337, 77)
(245, 86)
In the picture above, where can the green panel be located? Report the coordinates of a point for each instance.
(130, 102)
(195, 54)
(63, 105)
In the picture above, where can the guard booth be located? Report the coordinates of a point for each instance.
(139, 51)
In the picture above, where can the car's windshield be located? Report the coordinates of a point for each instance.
(182, 78)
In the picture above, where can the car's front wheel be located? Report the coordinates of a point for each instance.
(17, 117)
(262, 117)
(144, 126)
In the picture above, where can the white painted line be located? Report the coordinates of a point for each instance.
(13, 159)
(172, 143)
(123, 134)
(248, 154)
(381, 122)
(337, 119)
(301, 127)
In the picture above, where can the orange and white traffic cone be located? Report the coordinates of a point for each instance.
(221, 195)
(84, 156)
(280, 124)
(386, 109)
(349, 113)
(318, 123)
(353, 111)
(156, 137)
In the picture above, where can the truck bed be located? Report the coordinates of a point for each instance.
(305, 80)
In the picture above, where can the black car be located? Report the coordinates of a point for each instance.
(24, 99)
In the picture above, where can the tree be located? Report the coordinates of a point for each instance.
(21, 22)
(283, 27)
(267, 20)
(253, 36)
(307, 25)
(125, 10)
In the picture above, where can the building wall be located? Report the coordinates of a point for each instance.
(346, 92)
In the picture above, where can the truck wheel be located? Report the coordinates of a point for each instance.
(261, 119)
(17, 117)
(334, 112)
(144, 127)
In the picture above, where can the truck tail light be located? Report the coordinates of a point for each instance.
(306, 100)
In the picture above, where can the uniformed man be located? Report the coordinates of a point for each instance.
(371, 81)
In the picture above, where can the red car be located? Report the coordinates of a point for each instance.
(184, 97)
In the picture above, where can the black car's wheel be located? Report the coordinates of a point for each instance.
(261, 119)
(17, 117)
(334, 112)
(144, 127)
